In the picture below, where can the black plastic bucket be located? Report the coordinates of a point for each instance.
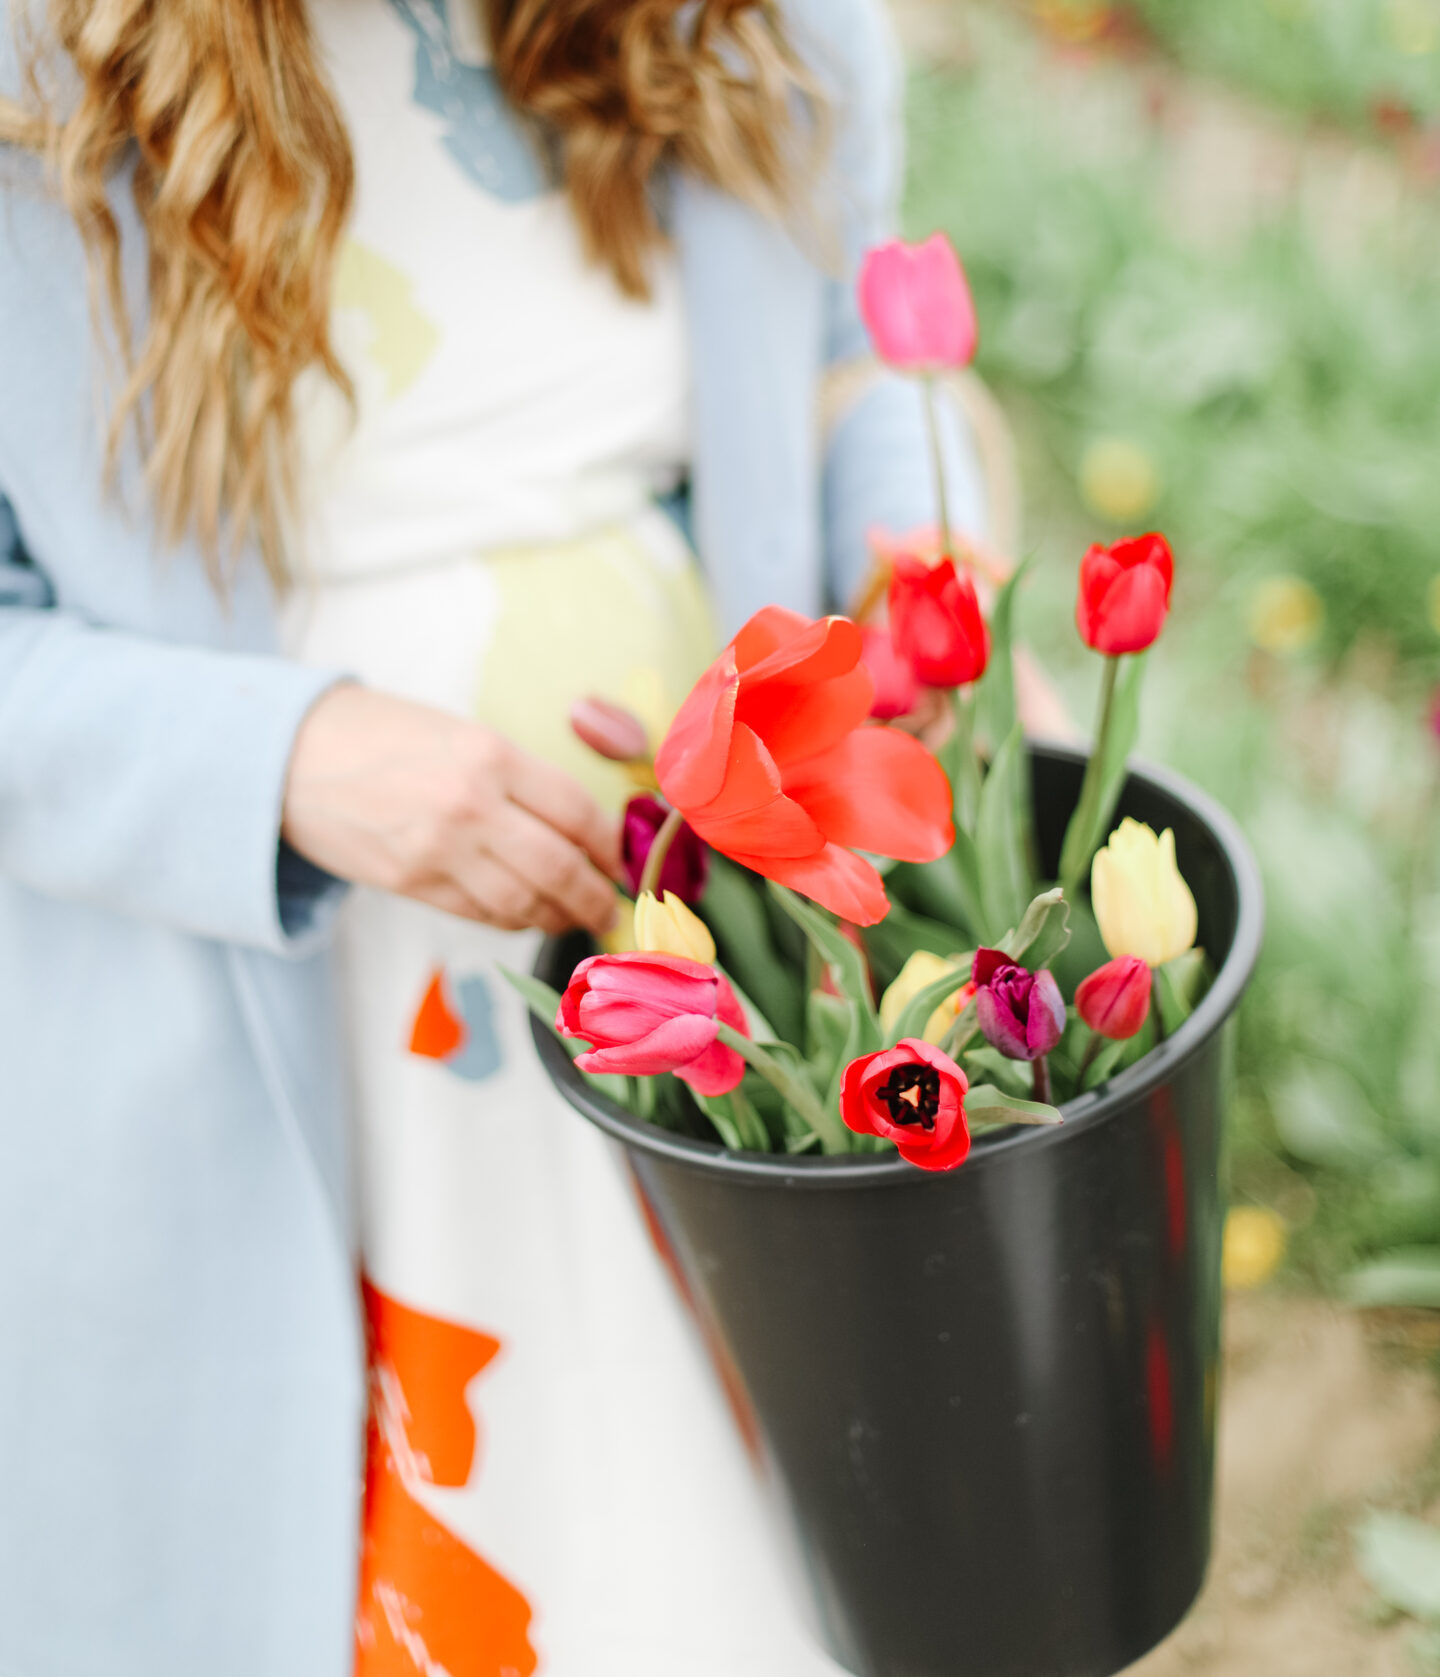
(986, 1400)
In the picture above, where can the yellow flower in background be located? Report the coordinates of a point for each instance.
(1141, 903)
(1254, 1245)
(922, 969)
(1433, 599)
(1118, 480)
(1285, 614)
(670, 928)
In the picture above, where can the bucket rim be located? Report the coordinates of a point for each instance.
(1082, 1114)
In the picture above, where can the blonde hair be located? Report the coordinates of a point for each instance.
(244, 177)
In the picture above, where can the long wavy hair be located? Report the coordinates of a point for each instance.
(243, 179)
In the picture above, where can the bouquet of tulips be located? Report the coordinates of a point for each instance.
(838, 941)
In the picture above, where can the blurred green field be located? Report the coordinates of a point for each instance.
(1207, 311)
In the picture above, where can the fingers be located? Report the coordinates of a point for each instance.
(558, 872)
(556, 800)
(501, 898)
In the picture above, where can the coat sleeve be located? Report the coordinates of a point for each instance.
(877, 463)
(146, 777)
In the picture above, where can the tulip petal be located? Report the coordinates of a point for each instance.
(1131, 613)
(716, 1071)
(770, 629)
(752, 814)
(674, 1044)
(837, 879)
(810, 650)
(692, 759)
(1000, 1027)
(797, 719)
(878, 790)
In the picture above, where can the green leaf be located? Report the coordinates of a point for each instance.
(1000, 843)
(996, 698)
(936, 890)
(915, 1015)
(1103, 1065)
(544, 1003)
(957, 758)
(827, 1026)
(986, 1107)
(1011, 1077)
(1181, 983)
(845, 961)
(719, 1110)
(892, 941)
(1408, 1277)
(1400, 1558)
(1323, 1116)
(1043, 932)
(735, 912)
(1105, 772)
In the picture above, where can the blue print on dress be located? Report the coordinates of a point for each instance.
(484, 136)
(478, 1057)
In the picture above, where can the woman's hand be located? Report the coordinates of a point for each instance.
(416, 801)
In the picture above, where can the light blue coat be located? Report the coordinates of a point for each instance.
(181, 1380)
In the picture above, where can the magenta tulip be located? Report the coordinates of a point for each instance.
(686, 868)
(1021, 1013)
(916, 304)
(647, 1014)
(1115, 1000)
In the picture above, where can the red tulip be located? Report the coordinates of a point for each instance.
(914, 1095)
(1124, 594)
(916, 303)
(1115, 1000)
(936, 621)
(896, 690)
(686, 868)
(647, 1014)
(769, 763)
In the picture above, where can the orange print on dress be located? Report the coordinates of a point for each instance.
(438, 1030)
(429, 1605)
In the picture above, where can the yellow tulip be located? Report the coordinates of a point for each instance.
(922, 969)
(670, 928)
(1141, 903)
(1253, 1247)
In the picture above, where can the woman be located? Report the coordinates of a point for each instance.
(591, 251)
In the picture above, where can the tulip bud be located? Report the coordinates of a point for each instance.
(916, 305)
(936, 622)
(1114, 1001)
(686, 868)
(669, 928)
(920, 971)
(1021, 1013)
(609, 730)
(1124, 594)
(1142, 905)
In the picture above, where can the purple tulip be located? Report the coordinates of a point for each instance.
(687, 865)
(1021, 1013)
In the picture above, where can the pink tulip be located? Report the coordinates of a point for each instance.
(916, 304)
(609, 730)
(896, 690)
(1115, 1000)
(647, 1014)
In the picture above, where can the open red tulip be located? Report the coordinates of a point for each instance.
(770, 763)
(1124, 594)
(936, 620)
(913, 1094)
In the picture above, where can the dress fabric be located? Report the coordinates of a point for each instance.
(554, 1483)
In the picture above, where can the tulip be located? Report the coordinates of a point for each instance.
(1142, 905)
(914, 1096)
(770, 764)
(916, 304)
(609, 730)
(669, 928)
(936, 622)
(1021, 1013)
(918, 973)
(686, 868)
(646, 1014)
(1114, 1001)
(1124, 594)
(896, 690)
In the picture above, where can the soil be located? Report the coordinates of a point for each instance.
(1324, 1414)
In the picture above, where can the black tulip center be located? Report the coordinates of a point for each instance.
(913, 1095)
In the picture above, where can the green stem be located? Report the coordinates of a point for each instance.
(655, 861)
(1090, 1055)
(1043, 1091)
(937, 456)
(1088, 806)
(834, 1137)
(965, 759)
(1155, 1007)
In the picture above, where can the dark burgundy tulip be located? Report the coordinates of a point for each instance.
(1022, 1013)
(687, 865)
